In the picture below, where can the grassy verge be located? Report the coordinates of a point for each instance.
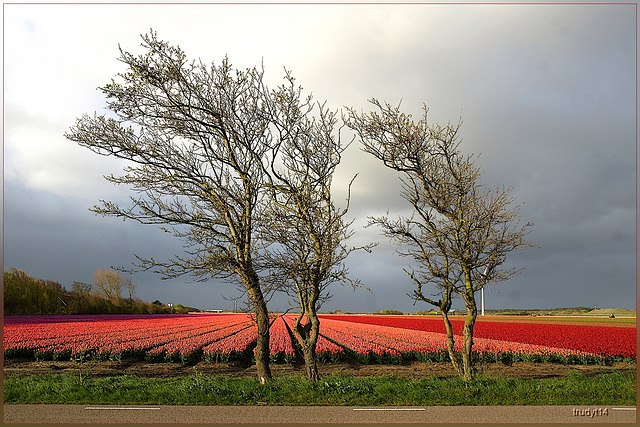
(198, 389)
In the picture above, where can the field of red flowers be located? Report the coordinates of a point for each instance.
(370, 339)
(598, 340)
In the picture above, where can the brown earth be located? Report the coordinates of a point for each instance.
(406, 370)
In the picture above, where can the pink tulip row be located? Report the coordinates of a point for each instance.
(114, 338)
(365, 346)
(53, 332)
(280, 344)
(325, 350)
(50, 333)
(138, 343)
(224, 337)
(232, 347)
(186, 347)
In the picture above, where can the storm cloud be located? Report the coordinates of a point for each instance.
(546, 93)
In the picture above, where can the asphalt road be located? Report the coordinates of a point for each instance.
(129, 414)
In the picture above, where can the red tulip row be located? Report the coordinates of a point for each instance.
(365, 346)
(430, 345)
(606, 341)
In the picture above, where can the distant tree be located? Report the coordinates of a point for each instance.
(130, 287)
(26, 295)
(19, 293)
(460, 231)
(109, 284)
(55, 296)
(81, 288)
(198, 139)
(391, 312)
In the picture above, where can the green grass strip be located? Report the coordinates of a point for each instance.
(577, 389)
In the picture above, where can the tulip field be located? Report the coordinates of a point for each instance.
(226, 337)
(588, 339)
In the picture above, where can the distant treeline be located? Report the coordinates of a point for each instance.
(26, 295)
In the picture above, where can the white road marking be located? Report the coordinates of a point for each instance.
(94, 408)
(389, 409)
(624, 409)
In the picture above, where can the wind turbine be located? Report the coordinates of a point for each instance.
(486, 270)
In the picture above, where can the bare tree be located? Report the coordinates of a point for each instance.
(307, 230)
(460, 231)
(81, 288)
(130, 286)
(109, 284)
(197, 137)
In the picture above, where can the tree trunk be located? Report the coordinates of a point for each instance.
(308, 337)
(467, 333)
(310, 364)
(451, 344)
(262, 343)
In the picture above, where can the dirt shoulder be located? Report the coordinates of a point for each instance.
(407, 370)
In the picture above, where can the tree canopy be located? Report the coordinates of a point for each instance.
(212, 160)
(460, 231)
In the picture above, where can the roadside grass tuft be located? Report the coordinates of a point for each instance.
(337, 389)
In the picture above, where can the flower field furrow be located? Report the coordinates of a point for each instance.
(325, 349)
(115, 343)
(108, 338)
(52, 333)
(183, 339)
(600, 340)
(280, 344)
(185, 347)
(396, 341)
(232, 347)
(146, 339)
(365, 347)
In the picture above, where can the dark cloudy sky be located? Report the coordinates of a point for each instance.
(547, 94)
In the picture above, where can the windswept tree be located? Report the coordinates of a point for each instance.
(198, 139)
(460, 231)
(307, 230)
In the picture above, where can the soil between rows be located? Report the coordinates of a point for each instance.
(413, 370)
